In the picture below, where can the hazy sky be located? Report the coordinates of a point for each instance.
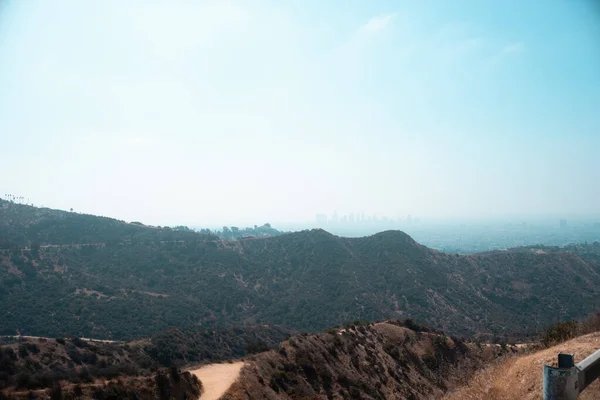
(244, 112)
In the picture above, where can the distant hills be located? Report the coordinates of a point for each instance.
(68, 274)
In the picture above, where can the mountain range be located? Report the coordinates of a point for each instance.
(69, 274)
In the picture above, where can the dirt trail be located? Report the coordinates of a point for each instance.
(19, 337)
(521, 377)
(217, 378)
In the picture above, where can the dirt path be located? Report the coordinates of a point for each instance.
(48, 338)
(521, 377)
(217, 378)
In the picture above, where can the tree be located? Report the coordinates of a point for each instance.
(257, 346)
(56, 392)
(162, 381)
(35, 248)
(226, 232)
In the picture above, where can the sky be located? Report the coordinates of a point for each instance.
(244, 112)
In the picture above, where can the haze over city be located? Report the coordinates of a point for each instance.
(243, 112)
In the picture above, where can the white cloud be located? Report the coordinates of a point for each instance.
(378, 23)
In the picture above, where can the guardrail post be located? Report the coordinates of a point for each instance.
(562, 382)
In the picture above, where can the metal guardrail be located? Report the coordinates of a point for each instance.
(568, 380)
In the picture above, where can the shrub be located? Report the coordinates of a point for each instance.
(79, 342)
(174, 371)
(56, 392)
(23, 351)
(257, 346)
(78, 391)
(559, 333)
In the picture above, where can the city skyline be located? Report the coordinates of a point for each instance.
(360, 217)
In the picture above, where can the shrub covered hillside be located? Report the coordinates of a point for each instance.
(28, 364)
(374, 361)
(65, 274)
(164, 384)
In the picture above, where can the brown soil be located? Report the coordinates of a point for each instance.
(217, 378)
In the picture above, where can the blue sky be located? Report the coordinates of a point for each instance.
(241, 112)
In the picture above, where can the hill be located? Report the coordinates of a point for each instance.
(102, 368)
(374, 361)
(67, 274)
(32, 363)
(169, 384)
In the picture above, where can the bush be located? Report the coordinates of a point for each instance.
(257, 346)
(78, 391)
(174, 371)
(23, 351)
(79, 342)
(56, 392)
(198, 382)
(559, 333)
(162, 382)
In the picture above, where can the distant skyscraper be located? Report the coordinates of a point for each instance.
(334, 217)
(321, 219)
(563, 223)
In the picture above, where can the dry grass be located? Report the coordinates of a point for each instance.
(521, 377)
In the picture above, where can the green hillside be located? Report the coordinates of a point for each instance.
(69, 274)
